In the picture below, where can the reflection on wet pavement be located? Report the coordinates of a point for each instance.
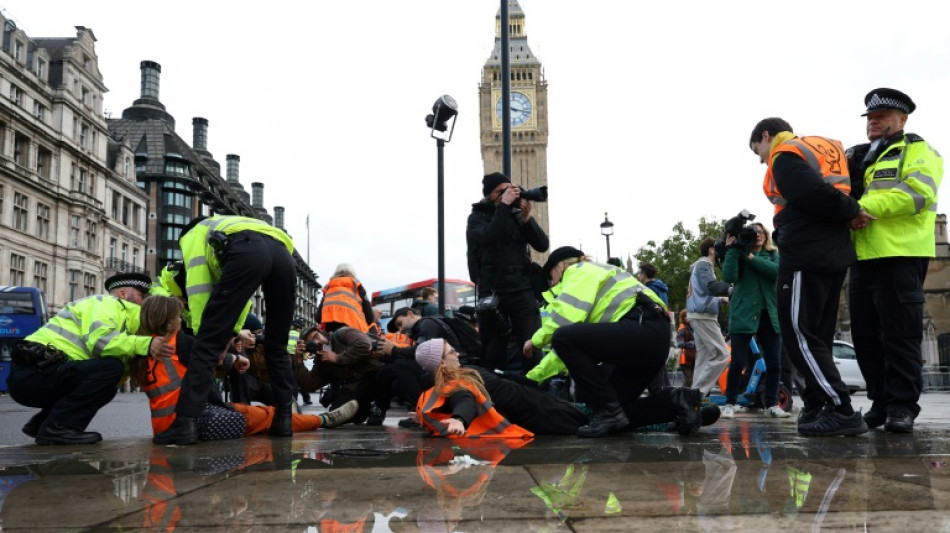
(738, 476)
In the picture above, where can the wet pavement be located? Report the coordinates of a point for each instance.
(750, 474)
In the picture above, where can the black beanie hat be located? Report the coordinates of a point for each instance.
(562, 253)
(490, 181)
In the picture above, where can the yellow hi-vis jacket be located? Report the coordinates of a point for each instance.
(292, 337)
(97, 326)
(166, 285)
(201, 264)
(590, 293)
(900, 189)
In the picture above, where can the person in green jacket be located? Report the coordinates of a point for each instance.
(602, 314)
(72, 366)
(226, 259)
(753, 312)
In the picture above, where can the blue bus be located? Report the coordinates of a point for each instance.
(22, 311)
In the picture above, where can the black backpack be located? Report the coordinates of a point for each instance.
(466, 339)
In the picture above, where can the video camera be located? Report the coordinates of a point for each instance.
(737, 227)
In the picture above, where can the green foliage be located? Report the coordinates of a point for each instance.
(675, 254)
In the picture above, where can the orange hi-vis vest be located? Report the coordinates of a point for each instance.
(162, 386)
(399, 339)
(488, 423)
(824, 155)
(342, 303)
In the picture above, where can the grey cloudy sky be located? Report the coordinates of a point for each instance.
(650, 104)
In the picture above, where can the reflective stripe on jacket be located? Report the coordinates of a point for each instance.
(97, 326)
(900, 189)
(342, 303)
(488, 423)
(824, 155)
(163, 384)
(201, 264)
(590, 293)
(292, 337)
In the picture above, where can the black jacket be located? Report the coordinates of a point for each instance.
(812, 232)
(429, 328)
(498, 258)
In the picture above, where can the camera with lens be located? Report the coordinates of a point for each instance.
(537, 194)
(314, 347)
(737, 227)
(258, 339)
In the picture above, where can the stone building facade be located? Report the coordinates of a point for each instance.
(83, 196)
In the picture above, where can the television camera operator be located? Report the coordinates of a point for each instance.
(500, 229)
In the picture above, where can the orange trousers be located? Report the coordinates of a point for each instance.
(259, 419)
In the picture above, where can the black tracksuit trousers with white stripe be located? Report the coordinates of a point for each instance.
(807, 316)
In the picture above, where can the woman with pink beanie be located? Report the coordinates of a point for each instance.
(474, 402)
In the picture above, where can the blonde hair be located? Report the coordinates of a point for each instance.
(344, 270)
(767, 245)
(445, 375)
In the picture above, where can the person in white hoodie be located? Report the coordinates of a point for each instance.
(702, 309)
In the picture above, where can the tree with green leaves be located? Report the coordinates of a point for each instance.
(675, 254)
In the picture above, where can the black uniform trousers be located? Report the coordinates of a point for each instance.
(807, 317)
(403, 379)
(521, 310)
(530, 407)
(70, 394)
(252, 260)
(636, 346)
(886, 298)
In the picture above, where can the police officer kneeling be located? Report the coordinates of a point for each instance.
(602, 314)
(72, 366)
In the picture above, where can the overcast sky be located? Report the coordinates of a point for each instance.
(650, 105)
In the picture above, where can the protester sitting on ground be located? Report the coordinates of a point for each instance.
(343, 360)
(687, 346)
(344, 302)
(161, 380)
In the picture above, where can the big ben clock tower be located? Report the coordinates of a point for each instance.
(529, 114)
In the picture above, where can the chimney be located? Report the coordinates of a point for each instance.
(151, 73)
(279, 216)
(257, 195)
(234, 164)
(199, 134)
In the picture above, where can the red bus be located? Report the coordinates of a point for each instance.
(457, 293)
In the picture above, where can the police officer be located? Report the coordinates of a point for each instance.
(226, 259)
(72, 366)
(602, 314)
(895, 178)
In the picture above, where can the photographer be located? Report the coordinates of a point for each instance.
(752, 269)
(498, 236)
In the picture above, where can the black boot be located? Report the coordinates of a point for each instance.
(282, 425)
(184, 430)
(32, 427)
(606, 419)
(54, 433)
(687, 403)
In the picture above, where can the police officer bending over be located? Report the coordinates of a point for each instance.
(72, 366)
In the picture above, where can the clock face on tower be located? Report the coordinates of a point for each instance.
(520, 108)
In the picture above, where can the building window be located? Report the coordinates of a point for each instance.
(83, 135)
(85, 96)
(140, 164)
(74, 230)
(42, 221)
(16, 96)
(126, 210)
(177, 168)
(116, 202)
(17, 269)
(88, 284)
(39, 111)
(125, 253)
(92, 237)
(40, 68)
(177, 199)
(137, 217)
(21, 206)
(1, 202)
(40, 271)
(73, 285)
(19, 149)
(112, 245)
(44, 163)
(127, 171)
(18, 51)
(135, 258)
(81, 183)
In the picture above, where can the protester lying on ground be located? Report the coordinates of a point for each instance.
(161, 379)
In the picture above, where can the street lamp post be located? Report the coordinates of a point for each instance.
(607, 229)
(443, 110)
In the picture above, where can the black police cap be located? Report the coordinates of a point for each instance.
(562, 253)
(129, 279)
(883, 99)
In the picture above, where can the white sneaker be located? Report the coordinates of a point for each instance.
(777, 412)
(340, 415)
(728, 411)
